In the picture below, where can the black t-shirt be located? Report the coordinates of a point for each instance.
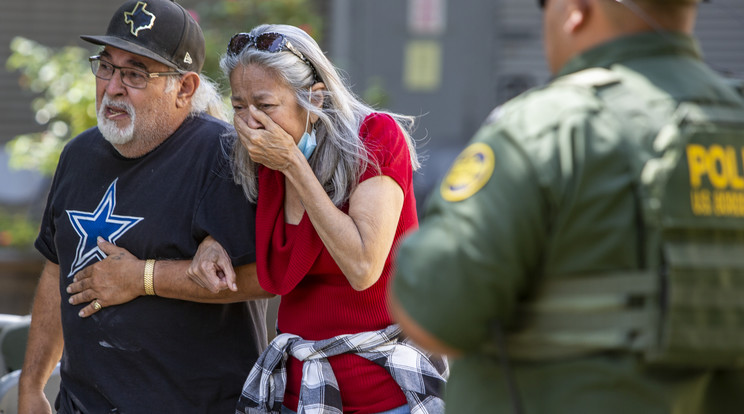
(153, 355)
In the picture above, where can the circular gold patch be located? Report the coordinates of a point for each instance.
(470, 172)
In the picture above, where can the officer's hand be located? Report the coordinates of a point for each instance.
(211, 267)
(114, 280)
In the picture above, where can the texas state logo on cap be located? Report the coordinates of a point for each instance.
(139, 18)
(161, 30)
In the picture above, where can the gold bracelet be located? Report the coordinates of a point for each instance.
(149, 277)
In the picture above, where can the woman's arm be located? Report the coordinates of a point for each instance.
(359, 241)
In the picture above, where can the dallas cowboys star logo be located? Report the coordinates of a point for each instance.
(101, 222)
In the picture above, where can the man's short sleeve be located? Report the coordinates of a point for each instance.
(226, 214)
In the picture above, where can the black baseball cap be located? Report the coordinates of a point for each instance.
(161, 30)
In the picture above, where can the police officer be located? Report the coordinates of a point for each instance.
(583, 253)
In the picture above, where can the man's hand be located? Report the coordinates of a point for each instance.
(211, 267)
(114, 280)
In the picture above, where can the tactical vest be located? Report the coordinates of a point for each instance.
(689, 310)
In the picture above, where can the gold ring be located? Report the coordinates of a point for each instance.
(97, 306)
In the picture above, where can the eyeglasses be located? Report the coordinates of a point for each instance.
(134, 78)
(267, 42)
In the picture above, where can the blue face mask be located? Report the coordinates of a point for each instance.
(308, 143)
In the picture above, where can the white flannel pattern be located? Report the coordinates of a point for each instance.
(421, 376)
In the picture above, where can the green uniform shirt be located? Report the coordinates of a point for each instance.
(545, 190)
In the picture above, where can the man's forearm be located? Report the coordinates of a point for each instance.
(45, 341)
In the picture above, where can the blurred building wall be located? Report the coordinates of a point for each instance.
(470, 56)
(448, 61)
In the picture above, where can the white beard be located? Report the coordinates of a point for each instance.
(110, 131)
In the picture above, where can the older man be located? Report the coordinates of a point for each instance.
(151, 179)
(583, 254)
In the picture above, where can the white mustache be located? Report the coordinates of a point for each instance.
(109, 129)
(107, 102)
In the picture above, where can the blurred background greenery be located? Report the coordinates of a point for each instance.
(222, 19)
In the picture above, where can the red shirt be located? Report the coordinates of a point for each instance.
(317, 300)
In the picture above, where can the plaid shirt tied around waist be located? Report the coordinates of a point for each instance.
(420, 375)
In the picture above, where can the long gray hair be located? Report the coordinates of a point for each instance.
(206, 99)
(340, 157)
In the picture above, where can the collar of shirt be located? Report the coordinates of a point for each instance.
(633, 47)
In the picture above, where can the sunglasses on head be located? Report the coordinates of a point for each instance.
(266, 42)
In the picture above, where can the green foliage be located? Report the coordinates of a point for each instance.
(62, 78)
(17, 229)
(375, 94)
(65, 87)
(220, 20)
(65, 105)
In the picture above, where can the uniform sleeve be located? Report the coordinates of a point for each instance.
(226, 214)
(388, 149)
(465, 266)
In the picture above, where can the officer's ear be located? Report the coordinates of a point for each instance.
(577, 12)
(187, 87)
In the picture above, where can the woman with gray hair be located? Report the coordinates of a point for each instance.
(332, 180)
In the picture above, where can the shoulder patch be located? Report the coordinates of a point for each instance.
(470, 172)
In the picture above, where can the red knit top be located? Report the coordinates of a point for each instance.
(317, 300)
